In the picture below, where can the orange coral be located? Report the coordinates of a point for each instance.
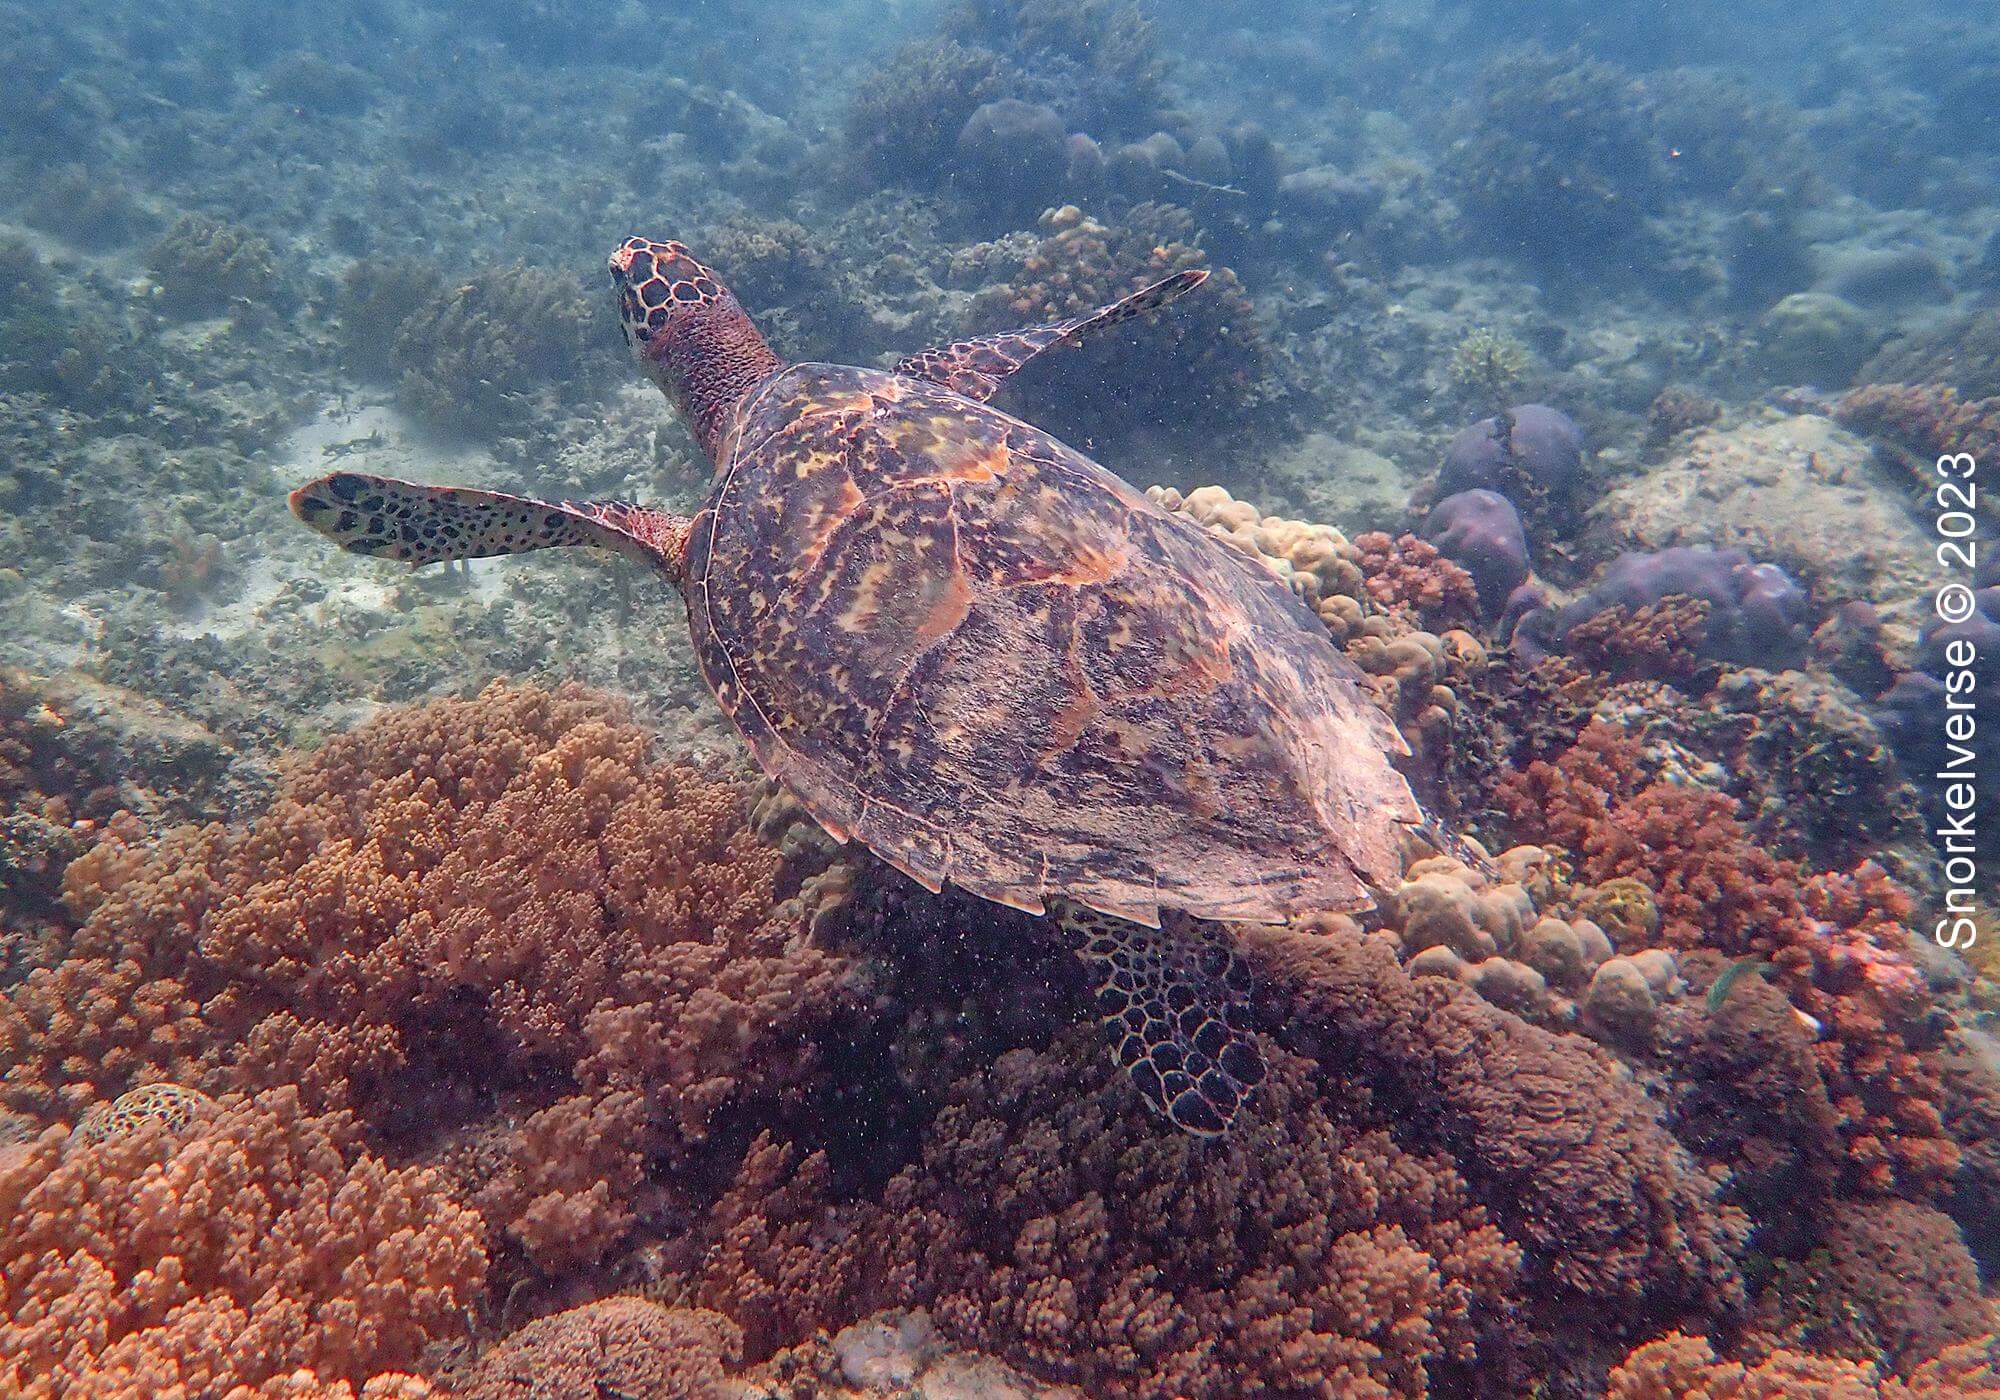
(614, 1347)
(1680, 1367)
(1930, 419)
(263, 1242)
(1410, 576)
(1568, 1154)
(1836, 939)
(501, 895)
(1659, 641)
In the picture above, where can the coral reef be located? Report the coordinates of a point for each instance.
(1199, 373)
(505, 886)
(1532, 455)
(1556, 161)
(202, 265)
(1041, 1217)
(1680, 1367)
(1925, 421)
(499, 351)
(906, 115)
(1660, 614)
(1836, 940)
(617, 1347)
(260, 1243)
(1963, 354)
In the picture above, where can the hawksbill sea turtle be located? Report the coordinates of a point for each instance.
(974, 650)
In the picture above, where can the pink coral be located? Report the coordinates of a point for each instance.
(1835, 938)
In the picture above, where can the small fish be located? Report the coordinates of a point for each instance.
(1733, 974)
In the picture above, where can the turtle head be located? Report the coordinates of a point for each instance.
(689, 333)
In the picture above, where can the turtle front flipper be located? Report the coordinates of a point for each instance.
(418, 525)
(976, 368)
(1176, 1002)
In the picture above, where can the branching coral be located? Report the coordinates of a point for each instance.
(1836, 939)
(500, 350)
(500, 896)
(1049, 1221)
(1409, 575)
(1680, 1367)
(1928, 420)
(203, 264)
(263, 1241)
(1654, 641)
(907, 112)
(1557, 158)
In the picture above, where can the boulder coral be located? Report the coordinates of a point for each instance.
(620, 1346)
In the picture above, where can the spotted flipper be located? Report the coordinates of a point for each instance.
(391, 519)
(1176, 1001)
(976, 368)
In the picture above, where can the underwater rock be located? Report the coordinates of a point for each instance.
(1815, 338)
(1622, 1002)
(1883, 279)
(1799, 492)
(1012, 155)
(1480, 531)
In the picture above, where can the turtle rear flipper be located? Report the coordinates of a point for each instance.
(1176, 1003)
(418, 525)
(976, 368)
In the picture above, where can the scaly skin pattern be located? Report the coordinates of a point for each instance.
(690, 334)
(973, 649)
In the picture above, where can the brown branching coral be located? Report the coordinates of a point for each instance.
(1408, 575)
(1050, 1222)
(263, 1242)
(616, 1347)
(1656, 641)
(1680, 1367)
(1926, 419)
(479, 898)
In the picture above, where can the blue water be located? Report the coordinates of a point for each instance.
(1524, 625)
